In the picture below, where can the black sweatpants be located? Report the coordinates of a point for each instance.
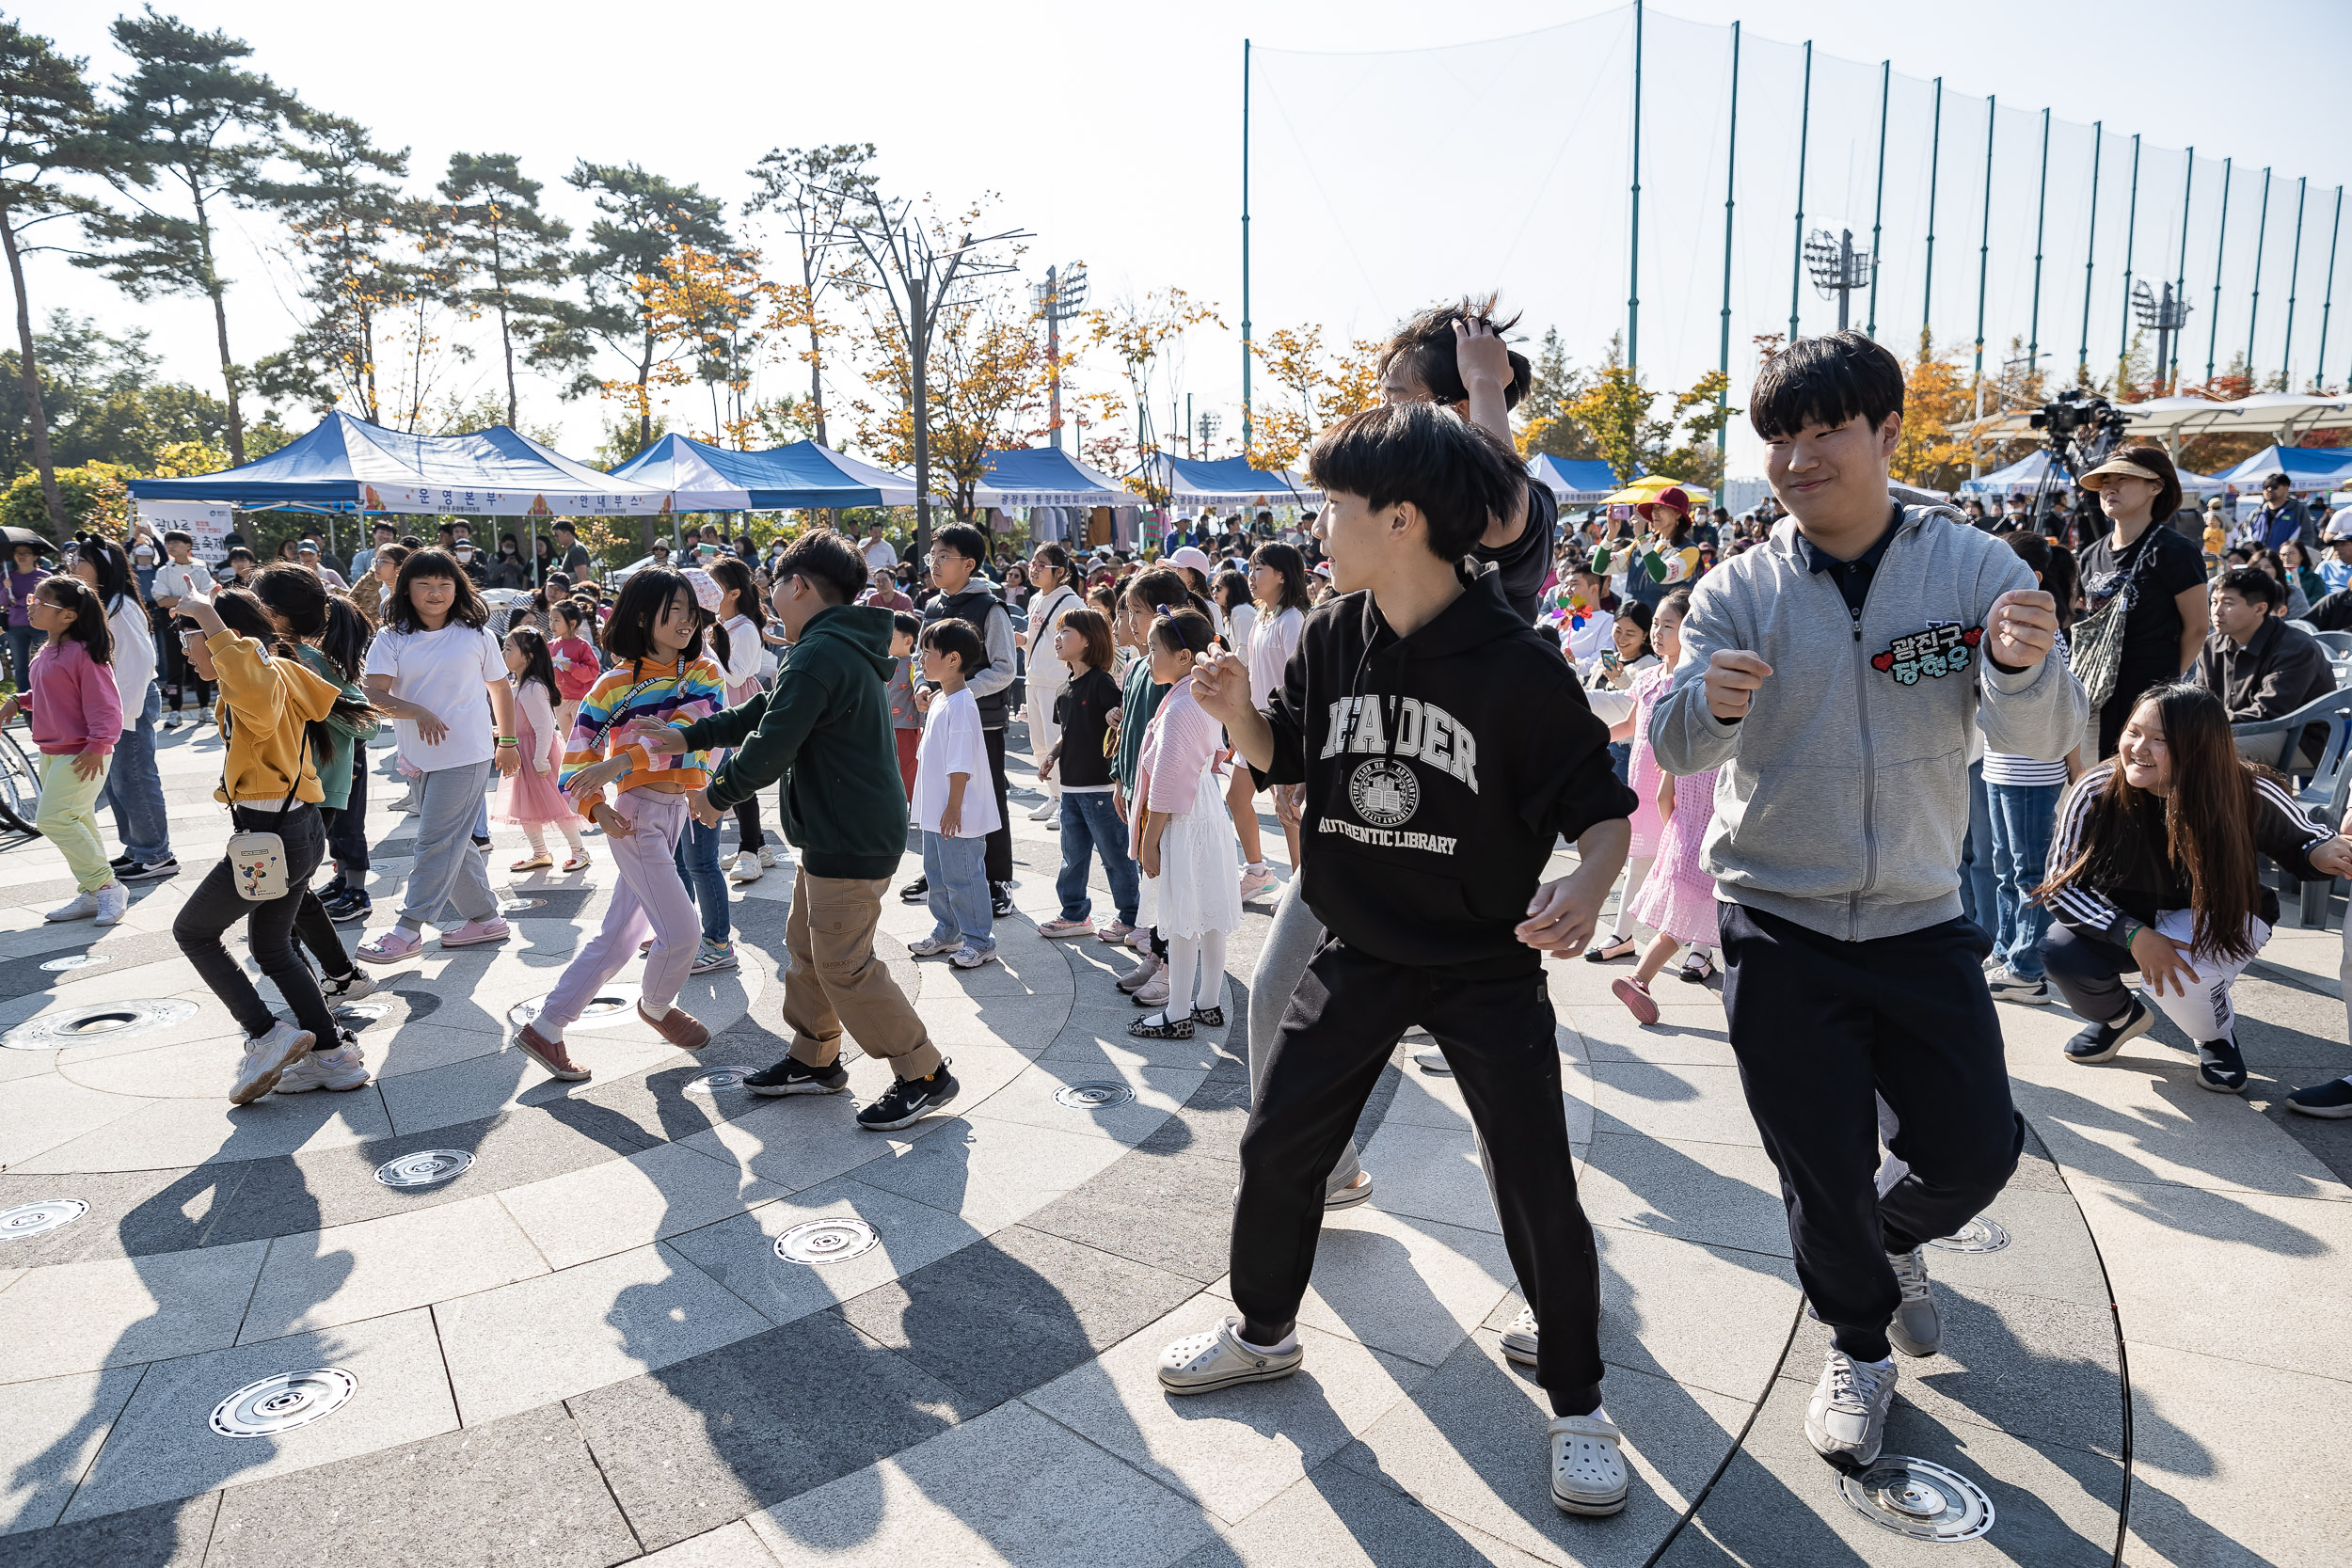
(999, 853)
(1341, 1023)
(270, 928)
(1820, 1026)
(347, 826)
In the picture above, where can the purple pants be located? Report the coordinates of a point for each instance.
(651, 892)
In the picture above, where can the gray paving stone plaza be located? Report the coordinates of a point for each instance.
(478, 1316)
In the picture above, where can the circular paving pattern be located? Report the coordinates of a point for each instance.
(34, 1219)
(427, 1167)
(105, 1021)
(75, 961)
(1982, 1234)
(1913, 1497)
(828, 1241)
(613, 1005)
(719, 1079)
(280, 1403)
(1093, 1097)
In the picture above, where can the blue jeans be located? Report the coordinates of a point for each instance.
(1090, 824)
(698, 864)
(135, 789)
(22, 641)
(1976, 854)
(957, 870)
(2023, 816)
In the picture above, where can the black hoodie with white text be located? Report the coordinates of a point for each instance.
(1440, 770)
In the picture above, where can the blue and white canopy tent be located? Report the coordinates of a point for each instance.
(696, 476)
(1573, 482)
(1057, 489)
(2308, 469)
(1192, 482)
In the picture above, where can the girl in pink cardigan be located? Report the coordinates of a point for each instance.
(76, 714)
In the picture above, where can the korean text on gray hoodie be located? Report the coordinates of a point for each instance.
(1843, 797)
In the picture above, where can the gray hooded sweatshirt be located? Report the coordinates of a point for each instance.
(1843, 795)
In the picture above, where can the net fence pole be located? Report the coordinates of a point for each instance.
(1245, 244)
(2041, 212)
(2171, 374)
(1731, 188)
(2295, 276)
(1805, 132)
(1633, 258)
(2254, 303)
(1878, 203)
(2090, 253)
(2220, 248)
(2328, 300)
(1935, 167)
(2131, 232)
(1984, 234)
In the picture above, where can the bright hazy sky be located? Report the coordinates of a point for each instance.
(1114, 130)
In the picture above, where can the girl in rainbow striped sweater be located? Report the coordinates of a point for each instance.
(659, 674)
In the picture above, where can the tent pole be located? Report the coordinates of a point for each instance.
(2040, 210)
(2254, 304)
(1633, 259)
(1245, 246)
(1878, 203)
(1731, 165)
(1804, 134)
(2131, 232)
(1935, 167)
(2090, 252)
(2327, 302)
(1984, 241)
(2220, 248)
(2294, 275)
(2180, 283)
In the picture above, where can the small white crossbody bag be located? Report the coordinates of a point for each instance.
(257, 861)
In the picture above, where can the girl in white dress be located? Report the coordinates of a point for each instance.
(1183, 837)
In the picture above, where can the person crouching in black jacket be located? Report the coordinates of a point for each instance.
(2153, 869)
(1445, 749)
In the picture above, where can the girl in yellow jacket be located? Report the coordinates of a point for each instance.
(269, 786)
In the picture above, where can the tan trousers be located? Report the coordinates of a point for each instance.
(833, 980)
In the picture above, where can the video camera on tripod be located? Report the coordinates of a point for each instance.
(2078, 429)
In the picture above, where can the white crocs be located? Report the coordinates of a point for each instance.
(1587, 1471)
(1201, 1363)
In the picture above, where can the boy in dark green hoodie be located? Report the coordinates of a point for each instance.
(826, 723)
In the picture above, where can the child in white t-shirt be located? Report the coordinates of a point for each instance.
(956, 818)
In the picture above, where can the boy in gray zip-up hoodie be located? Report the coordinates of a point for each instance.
(1834, 676)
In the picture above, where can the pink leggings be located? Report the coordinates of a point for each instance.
(652, 892)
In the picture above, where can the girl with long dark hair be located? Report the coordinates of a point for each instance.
(1052, 597)
(134, 787)
(330, 638)
(2154, 870)
(528, 798)
(76, 715)
(1277, 587)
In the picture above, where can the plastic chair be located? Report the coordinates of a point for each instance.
(2334, 641)
(2285, 731)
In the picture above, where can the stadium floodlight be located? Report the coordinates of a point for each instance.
(1837, 268)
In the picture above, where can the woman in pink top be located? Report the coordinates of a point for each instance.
(1184, 837)
(77, 713)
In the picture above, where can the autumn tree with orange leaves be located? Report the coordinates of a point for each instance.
(1136, 334)
(1324, 387)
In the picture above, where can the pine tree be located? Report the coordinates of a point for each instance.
(502, 246)
(646, 219)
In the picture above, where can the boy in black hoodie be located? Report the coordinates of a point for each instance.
(1445, 747)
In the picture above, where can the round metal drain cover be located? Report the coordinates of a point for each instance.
(517, 906)
(1094, 1096)
(99, 1022)
(719, 1079)
(427, 1167)
(611, 1007)
(280, 1403)
(819, 1241)
(1913, 1497)
(1982, 1234)
(31, 1219)
(75, 961)
(363, 1012)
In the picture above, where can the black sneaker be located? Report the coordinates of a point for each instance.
(2221, 1066)
(2101, 1041)
(358, 907)
(121, 860)
(1000, 899)
(908, 1100)
(148, 871)
(2332, 1100)
(792, 1076)
(915, 892)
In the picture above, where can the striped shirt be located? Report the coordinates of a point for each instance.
(677, 695)
(2149, 883)
(2006, 767)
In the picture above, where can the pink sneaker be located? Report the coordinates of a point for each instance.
(1255, 882)
(1636, 998)
(1115, 933)
(397, 945)
(475, 932)
(1067, 928)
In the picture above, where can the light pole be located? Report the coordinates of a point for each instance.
(1057, 300)
(2162, 316)
(1838, 268)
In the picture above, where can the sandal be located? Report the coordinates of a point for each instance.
(1612, 953)
(1696, 971)
(533, 862)
(396, 945)
(577, 863)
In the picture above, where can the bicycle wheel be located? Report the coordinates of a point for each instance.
(20, 786)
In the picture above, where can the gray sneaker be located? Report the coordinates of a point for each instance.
(1918, 1327)
(1846, 1421)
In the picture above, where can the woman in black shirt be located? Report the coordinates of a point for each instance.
(2166, 615)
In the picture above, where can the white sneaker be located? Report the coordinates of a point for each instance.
(1587, 1464)
(114, 901)
(767, 859)
(337, 1070)
(1045, 808)
(1846, 1420)
(1518, 1340)
(83, 906)
(1199, 1363)
(1916, 1328)
(266, 1058)
(354, 986)
(746, 869)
